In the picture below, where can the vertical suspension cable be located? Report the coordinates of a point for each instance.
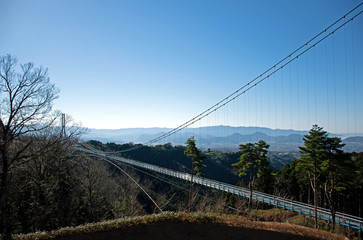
(282, 99)
(290, 85)
(210, 126)
(230, 122)
(346, 78)
(192, 134)
(238, 122)
(334, 86)
(255, 105)
(262, 110)
(226, 129)
(308, 89)
(244, 114)
(298, 94)
(235, 124)
(314, 79)
(249, 116)
(180, 137)
(200, 132)
(275, 101)
(174, 140)
(268, 105)
(327, 85)
(215, 123)
(186, 135)
(169, 149)
(354, 83)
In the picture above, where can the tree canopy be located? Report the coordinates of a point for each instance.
(197, 158)
(321, 157)
(253, 160)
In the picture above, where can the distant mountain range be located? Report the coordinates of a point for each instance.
(224, 138)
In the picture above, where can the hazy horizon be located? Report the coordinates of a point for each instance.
(272, 129)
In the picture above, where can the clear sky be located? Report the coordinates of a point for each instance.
(141, 63)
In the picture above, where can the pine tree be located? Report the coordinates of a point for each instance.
(197, 164)
(254, 160)
(312, 159)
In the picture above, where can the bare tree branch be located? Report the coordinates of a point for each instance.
(28, 126)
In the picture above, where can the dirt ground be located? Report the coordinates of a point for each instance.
(183, 231)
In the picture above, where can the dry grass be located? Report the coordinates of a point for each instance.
(121, 224)
(282, 227)
(168, 218)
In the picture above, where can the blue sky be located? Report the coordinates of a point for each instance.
(121, 64)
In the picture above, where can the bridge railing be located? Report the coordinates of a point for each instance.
(303, 208)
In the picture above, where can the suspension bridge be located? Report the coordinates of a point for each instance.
(303, 208)
(318, 83)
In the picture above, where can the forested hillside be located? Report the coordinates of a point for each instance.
(51, 192)
(63, 188)
(219, 163)
(286, 177)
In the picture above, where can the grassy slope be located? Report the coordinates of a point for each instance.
(192, 226)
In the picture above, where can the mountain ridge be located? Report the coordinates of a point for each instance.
(223, 138)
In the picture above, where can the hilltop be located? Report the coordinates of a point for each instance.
(182, 226)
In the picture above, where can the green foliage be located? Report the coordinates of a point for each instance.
(197, 158)
(53, 192)
(253, 159)
(358, 170)
(314, 152)
(322, 157)
(325, 169)
(173, 157)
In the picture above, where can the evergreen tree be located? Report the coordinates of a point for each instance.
(312, 158)
(254, 161)
(197, 163)
(334, 167)
(322, 157)
(358, 181)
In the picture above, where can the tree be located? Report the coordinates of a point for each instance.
(320, 156)
(323, 157)
(26, 99)
(312, 157)
(42, 191)
(358, 180)
(253, 160)
(334, 168)
(197, 163)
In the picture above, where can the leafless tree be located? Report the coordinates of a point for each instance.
(42, 191)
(28, 126)
(106, 193)
(240, 204)
(210, 204)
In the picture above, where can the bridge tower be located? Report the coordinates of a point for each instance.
(63, 131)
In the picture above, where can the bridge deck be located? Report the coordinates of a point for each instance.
(303, 208)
